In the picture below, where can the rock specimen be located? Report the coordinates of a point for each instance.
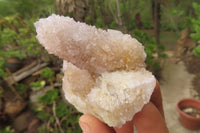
(104, 71)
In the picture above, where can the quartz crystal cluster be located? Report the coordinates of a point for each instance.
(104, 70)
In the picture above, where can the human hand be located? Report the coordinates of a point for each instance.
(149, 120)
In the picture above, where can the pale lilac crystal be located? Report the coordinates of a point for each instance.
(104, 70)
(89, 48)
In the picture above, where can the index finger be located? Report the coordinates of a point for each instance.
(156, 98)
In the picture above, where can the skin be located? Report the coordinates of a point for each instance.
(150, 119)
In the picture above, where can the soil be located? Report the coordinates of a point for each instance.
(192, 111)
(184, 51)
(193, 66)
(196, 84)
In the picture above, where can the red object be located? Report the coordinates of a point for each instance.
(186, 120)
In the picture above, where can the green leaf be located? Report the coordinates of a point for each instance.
(13, 53)
(73, 119)
(44, 116)
(8, 36)
(2, 63)
(33, 49)
(49, 97)
(37, 85)
(88, 19)
(47, 73)
(62, 110)
(196, 51)
(99, 22)
(1, 91)
(21, 88)
(161, 47)
(7, 130)
(2, 73)
(151, 48)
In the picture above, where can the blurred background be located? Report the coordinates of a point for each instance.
(31, 99)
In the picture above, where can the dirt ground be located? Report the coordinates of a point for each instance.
(180, 77)
(175, 85)
(182, 47)
(193, 66)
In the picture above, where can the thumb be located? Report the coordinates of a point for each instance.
(90, 124)
(150, 119)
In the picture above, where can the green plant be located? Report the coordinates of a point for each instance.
(13, 53)
(99, 23)
(18, 38)
(151, 49)
(131, 23)
(62, 110)
(88, 19)
(196, 51)
(184, 24)
(60, 117)
(2, 63)
(195, 25)
(146, 24)
(21, 88)
(49, 97)
(1, 91)
(37, 85)
(113, 25)
(167, 26)
(7, 130)
(2, 73)
(2, 67)
(8, 36)
(47, 73)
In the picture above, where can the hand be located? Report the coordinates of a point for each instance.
(149, 120)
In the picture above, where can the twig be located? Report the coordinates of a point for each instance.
(56, 126)
(47, 126)
(26, 68)
(24, 72)
(57, 120)
(63, 118)
(119, 13)
(112, 12)
(10, 85)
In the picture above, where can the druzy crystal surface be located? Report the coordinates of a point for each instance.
(104, 70)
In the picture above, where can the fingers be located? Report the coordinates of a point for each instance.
(150, 119)
(156, 98)
(90, 124)
(126, 128)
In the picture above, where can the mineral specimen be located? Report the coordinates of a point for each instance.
(104, 70)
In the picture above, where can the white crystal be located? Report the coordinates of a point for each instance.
(79, 43)
(104, 71)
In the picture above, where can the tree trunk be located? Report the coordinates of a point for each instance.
(75, 7)
(79, 13)
(157, 17)
(152, 11)
(138, 22)
(65, 6)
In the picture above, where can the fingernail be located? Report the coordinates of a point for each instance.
(84, 126)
